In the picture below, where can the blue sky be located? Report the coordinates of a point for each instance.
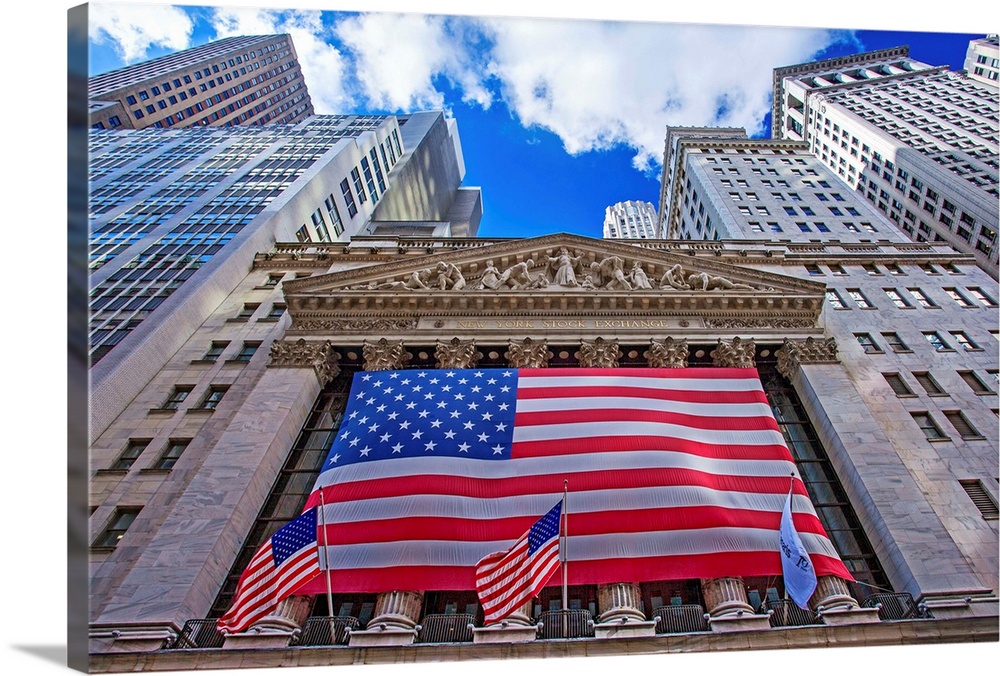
(558, 117)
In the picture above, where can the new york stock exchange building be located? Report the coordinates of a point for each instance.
(888, 410)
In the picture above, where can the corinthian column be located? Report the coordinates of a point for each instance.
(667, 353)
(457, 354)
(737, 353)
(794, 353)
(527, 354)
(833, 602)
(385, 355)
(395, 621)
(621, 615)
(599, 353)
(728, 607)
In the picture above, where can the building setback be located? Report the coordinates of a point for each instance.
(630, 220)
(251, 79)
(918, 142)
(177, 217)
(982, 61)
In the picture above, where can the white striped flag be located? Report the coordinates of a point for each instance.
(289, 559)
(676, 474)
(505, 580)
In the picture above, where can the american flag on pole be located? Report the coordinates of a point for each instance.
(505, 580)
(289, 559)
(676, 474)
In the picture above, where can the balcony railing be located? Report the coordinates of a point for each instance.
(565, 624)
(893, 606)
(784, 613)
(321, 631)
(200, 634)
(450, 628)
(682, 619)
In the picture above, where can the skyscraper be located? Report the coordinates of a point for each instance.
(177, 216)
(918, 142)
(630, 220)
(982, 61)
(251, 79)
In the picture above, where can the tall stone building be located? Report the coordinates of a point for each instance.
(918, 142)
(630, 220)
(982, 61)
(178, 216)
(248, 80)
(878, 356)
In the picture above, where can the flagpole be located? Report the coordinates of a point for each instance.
(326, 554)
(563, 555)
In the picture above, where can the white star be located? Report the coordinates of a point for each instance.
(429, 446)
(459, 396)
(449, 435)
(478, 374)
(381, 408)
(354, 441)
(405, 424)
(397, 448)
(483, 437)
(373, 427)
(435, 423)
(387, 390)
(366, 377)
(503, 407)
(365, 451)
(505, 388)
(405, 381)
(385, 438)
(412, 405)
(417, 388)
(363, 420)
(468, 425)
(354, 414)
(360, 395)
(498, 449)
(377, 383)
(433, 381)
(462, 381)
(455, 414)
(399, 397)
(476, 388)
(507, 374)
(442, 404)
(424, 413)
(418, 434)
(487, 416)
(473, 405)
(393, 415)
(488, 397)
(335, 458)
(446, 388)
(345, 435)
(450, 374)
(422, 374)
(394, 375)
(429, 395)
(501, 427)
(491, 381)
(370, 401)
(463, 448)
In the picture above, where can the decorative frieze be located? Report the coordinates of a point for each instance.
(732, 323)
(667, 353)
(302, 353)
(737, 353)
(794, 353)
(527, 354)
(599, 353)
(385, 355)
(371, 325)
(457, 354)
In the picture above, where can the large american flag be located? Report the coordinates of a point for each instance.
(672, 474)
(289, 559)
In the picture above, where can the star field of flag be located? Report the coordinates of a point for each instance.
(396, 414)
(544, 529)
(293, 537)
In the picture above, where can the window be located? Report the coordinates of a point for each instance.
(302, 234)
(927, 425)
(837, 269)
(974, 382)
(177, 396)
(835, 300)
(213, 397)
(897, 299)
(273, 280)
(936, 341)
(962, 338)
(979, 295)
(132, 451)
(981, 498)
(957, 296)
(868, 343)
(215, 350)
(922, 298)
(175, 448)
(929, 384)
(898, 385)
(345, 189)
(247, 311)
(895, 342)
(247, 351)
(894, 269)
(813, 269)
(276, 311)
(860, 299)
(115, 531)
(962, 425)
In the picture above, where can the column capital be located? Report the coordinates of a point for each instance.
(794, 353)
(316, 354)
(599, 353)
(737, 353)
(527, 354)
(667, 353)
(457, 354)
(385, 355)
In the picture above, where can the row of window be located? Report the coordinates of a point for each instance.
(218, 347)
(892, 268)
(180, 393)
(933, 431)
(248, 310)
(837, 302)
(166, 460)
(931, 387)
(934, 338)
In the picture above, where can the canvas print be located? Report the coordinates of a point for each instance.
(424, 338)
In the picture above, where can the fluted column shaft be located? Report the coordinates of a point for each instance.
(398, 609)
(290, 614)
(620, 602)
(725, 596)
(831, 592)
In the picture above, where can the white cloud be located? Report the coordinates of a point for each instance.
(323, 66)
(131, 29)
(397, 57)
(595, 84)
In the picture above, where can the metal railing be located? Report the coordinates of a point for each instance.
(682, 619)
(321, 631)
(784, 613)
(893, 606)
(450, 628)
(565, 624)
(200, 634)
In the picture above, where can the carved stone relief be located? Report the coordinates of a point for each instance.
(738, 353)
(527, 354)
(318, 355)
(794, 353)
(385, 355)
(457, 354)
(377, 324)
(667, 353)
(599, 353)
